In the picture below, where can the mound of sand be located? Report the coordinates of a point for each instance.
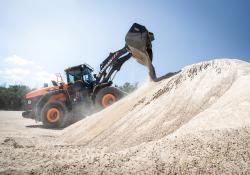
(194, 122)
(204, 96)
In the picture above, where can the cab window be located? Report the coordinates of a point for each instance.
(70, 78)
(74, 76)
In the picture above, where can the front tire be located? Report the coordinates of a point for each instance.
(107, 96)
(55, 115)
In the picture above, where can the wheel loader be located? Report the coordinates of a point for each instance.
(58, 105)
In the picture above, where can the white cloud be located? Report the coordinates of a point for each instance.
(29, 77)
(20, 70)
(44, 76)
(14, 59)
(16, 74)
(38, 67)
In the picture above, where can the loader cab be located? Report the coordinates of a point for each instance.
(82, 73)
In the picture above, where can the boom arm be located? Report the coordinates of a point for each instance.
(138, 44)
(112, 64)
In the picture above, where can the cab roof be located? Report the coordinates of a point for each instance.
(81, 66)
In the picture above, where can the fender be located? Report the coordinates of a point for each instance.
(42, 101)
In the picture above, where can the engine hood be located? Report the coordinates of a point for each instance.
(40, 92)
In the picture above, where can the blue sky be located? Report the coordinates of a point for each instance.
(43, 37)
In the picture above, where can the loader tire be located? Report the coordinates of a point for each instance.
(55, 115)
(107, 96)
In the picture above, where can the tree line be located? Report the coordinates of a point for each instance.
(128, 87)
(13, 96)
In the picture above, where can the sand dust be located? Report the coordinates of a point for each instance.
(196, 122)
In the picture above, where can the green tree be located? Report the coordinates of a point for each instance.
(12, 97)
(128, 87)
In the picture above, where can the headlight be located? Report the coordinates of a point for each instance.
(29, 102)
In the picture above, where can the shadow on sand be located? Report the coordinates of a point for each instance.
(166, 76)
(42, 127)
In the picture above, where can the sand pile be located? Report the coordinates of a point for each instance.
(197, 121)
(204, 96)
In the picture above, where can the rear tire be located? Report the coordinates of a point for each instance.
(54, 115)
(107, 96)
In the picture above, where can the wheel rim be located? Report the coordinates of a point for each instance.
(53, 115)
(108, 99)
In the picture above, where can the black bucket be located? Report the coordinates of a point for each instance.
(138, 40)
(139, 37)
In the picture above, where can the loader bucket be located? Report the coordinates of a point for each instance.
(138, 41)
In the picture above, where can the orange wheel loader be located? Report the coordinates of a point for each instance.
(57, 106)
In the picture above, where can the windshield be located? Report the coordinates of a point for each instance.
(78, 74)
(87, 76)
